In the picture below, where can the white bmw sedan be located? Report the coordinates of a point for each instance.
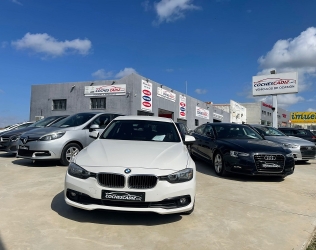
(138, 163)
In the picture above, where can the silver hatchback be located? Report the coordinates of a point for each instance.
(302, 150)
(64, 139)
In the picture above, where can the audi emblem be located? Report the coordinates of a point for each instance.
(270, 158)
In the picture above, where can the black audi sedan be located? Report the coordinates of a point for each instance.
(238, 148)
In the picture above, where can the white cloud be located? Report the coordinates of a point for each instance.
(171, 10)
(48, 45)
(102, 74)
(125, 72)
(297, 54)
(16, 1)
(169, 70)
(311, 110)
(201, 91)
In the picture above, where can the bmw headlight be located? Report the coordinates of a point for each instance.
(52, 136)
(77, 171)
(14, 138)
(290, 145)
(236, 154)
(180, 176)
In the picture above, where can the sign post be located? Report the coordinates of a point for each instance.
(274, 84)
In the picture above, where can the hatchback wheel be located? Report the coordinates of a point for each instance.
(219, 165)
(69, 151)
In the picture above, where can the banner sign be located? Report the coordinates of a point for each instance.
(217, 116)
(237, 113)
(182, 107)
(203, 113)
(303, 117)
(166, 94)
(146, 95)
(274, 84)
(119, 89)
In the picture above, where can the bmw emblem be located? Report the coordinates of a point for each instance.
(127, 171)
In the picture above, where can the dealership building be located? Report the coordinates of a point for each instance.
(130, 95)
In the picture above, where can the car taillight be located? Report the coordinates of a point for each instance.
(314, 137)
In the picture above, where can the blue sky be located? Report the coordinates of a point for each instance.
(214, 45)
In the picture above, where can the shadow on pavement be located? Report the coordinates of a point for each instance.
(207, 169)
(1, 245)
(7, 155)
(110, 217)
(37, 163)
(303, 163)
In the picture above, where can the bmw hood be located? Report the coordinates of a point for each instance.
(290, 139)
(134, 154)
(248, 146)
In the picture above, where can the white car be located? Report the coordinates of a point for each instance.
(138, 163)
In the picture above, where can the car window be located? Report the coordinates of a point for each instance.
(199, 130)
(269, 131)
(287, 132)
(74, 120)
(141, 130)
(300, 132)
(208, 130)
(235, 131)
(44, 122)
(102, 120)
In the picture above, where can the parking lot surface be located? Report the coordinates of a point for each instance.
(231, 213)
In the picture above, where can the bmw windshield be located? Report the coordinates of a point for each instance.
(140, 130)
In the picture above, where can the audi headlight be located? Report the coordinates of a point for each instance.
(52, 136)
(290, 155)
(290, 145)
(77, 171)
(14, 138)
(180, 176)
(236, 154)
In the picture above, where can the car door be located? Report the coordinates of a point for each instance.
(198, 134)
(207, 142)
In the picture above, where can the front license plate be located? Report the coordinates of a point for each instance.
(122, 196)
(23, 147)
(270, 165)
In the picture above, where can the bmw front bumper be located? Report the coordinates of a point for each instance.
(164, 198)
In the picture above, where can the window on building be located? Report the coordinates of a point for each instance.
(98, 103)
(196, 122)
(59, 104)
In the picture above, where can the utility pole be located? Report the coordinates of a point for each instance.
(186, 88)
(275, 107)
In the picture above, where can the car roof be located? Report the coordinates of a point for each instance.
(144, 118)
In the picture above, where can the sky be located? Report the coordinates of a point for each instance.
(215, 46)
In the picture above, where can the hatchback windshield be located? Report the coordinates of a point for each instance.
(74, 120)
(235, 131)
(44, 122)
(269, 131)
(140, 130)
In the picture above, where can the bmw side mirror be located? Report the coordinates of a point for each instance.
(94, 127)
(94, 134)
(189, 139)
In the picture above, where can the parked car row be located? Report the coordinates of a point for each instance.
(144, 163)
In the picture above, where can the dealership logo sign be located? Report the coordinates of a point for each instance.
(119, 89)
(166, 94)
(203, 113)
(284, 83)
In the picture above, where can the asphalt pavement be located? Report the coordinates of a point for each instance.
(230, 213)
